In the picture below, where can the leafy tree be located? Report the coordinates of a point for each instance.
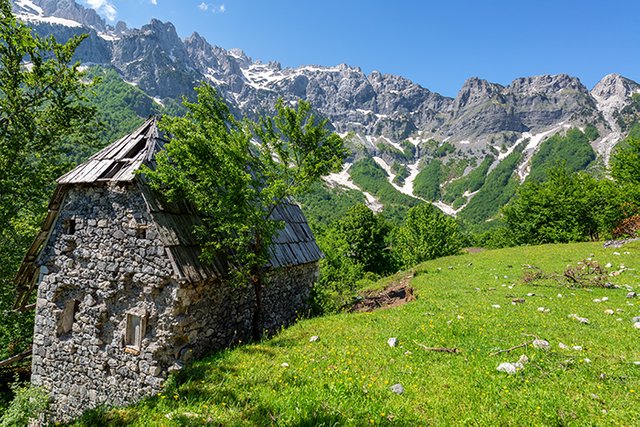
(43, 122)
(354, 246)
(426, 234)
(237, 172)
(625, 163)
(567, 207)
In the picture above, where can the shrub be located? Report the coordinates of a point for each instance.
(28, 404)
(426, 234)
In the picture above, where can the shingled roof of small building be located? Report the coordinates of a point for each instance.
(118, 162)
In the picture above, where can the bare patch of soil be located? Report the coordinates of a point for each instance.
(394, 295)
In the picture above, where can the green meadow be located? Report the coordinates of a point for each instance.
(463, 302)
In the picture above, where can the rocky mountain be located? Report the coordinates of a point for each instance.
(399, 124)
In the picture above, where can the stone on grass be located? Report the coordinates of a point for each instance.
(541, 344)
(544, 309)
(636, 319)
(583, 320)
(577, 347)
(397, 388)
(586, 360)
(632, 295)
(523, 360)
(509, 368)
(393, 342)
(597, 300)
(495, 306)
(609, 312)
(314, 338)
(636, 325)
(284, 364)
(563, 345)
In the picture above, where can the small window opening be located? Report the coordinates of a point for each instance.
(141, 231)
(68, 316)
(69, 226)
(134, 332)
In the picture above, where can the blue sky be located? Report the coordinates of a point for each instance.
(437, 44)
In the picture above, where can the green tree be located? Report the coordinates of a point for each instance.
(237, 172)
(567, 207)
(353, 246)
(625, 163)
(426, 234)
(43, 122)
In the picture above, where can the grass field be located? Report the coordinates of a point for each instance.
(345, 377)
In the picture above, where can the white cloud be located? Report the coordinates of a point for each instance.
(154, 2)
(213, 7)
(103, 7)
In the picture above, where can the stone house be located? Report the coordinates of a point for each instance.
(122, 297)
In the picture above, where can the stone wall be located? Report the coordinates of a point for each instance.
(103, 255)
(104, 263)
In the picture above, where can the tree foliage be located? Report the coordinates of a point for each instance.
(353, 246)
(567, 207)
(625, 163)
(426, 234)
(237, 172)
(44, 122)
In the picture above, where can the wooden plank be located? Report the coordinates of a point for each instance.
(16, 358)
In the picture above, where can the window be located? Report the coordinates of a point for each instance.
(69, 226)
(135, 331)
(68, 316)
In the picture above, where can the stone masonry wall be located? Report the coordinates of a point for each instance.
(217, 315)
(104, 254)
(103, 262)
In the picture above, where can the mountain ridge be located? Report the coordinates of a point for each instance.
(380, 112)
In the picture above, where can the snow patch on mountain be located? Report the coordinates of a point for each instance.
(524, 168)
(343, 179)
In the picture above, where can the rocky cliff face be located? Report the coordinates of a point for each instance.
(379, 108)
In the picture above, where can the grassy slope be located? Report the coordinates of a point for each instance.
(345, 377)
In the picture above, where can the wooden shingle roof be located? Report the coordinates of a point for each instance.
(118, 162)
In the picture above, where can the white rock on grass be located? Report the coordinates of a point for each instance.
(544, 309)
(397, 388)
(608, 312)
(597, 300)
(583, 320)
(541, 344)
(608, 265)
(632, 295)
(563, 345)
(393, 342)
(314, 338)
(577, 347)
(605, 298)
(636, 319)
(495, 306)
(523, 360)
(284, 364)
(636, 325)
(510, 368)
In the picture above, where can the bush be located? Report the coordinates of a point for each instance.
(28, 404)
(426, 234)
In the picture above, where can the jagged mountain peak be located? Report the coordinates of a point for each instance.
(545, 84)
(476, 90)
(74, 13)
(614, 86)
